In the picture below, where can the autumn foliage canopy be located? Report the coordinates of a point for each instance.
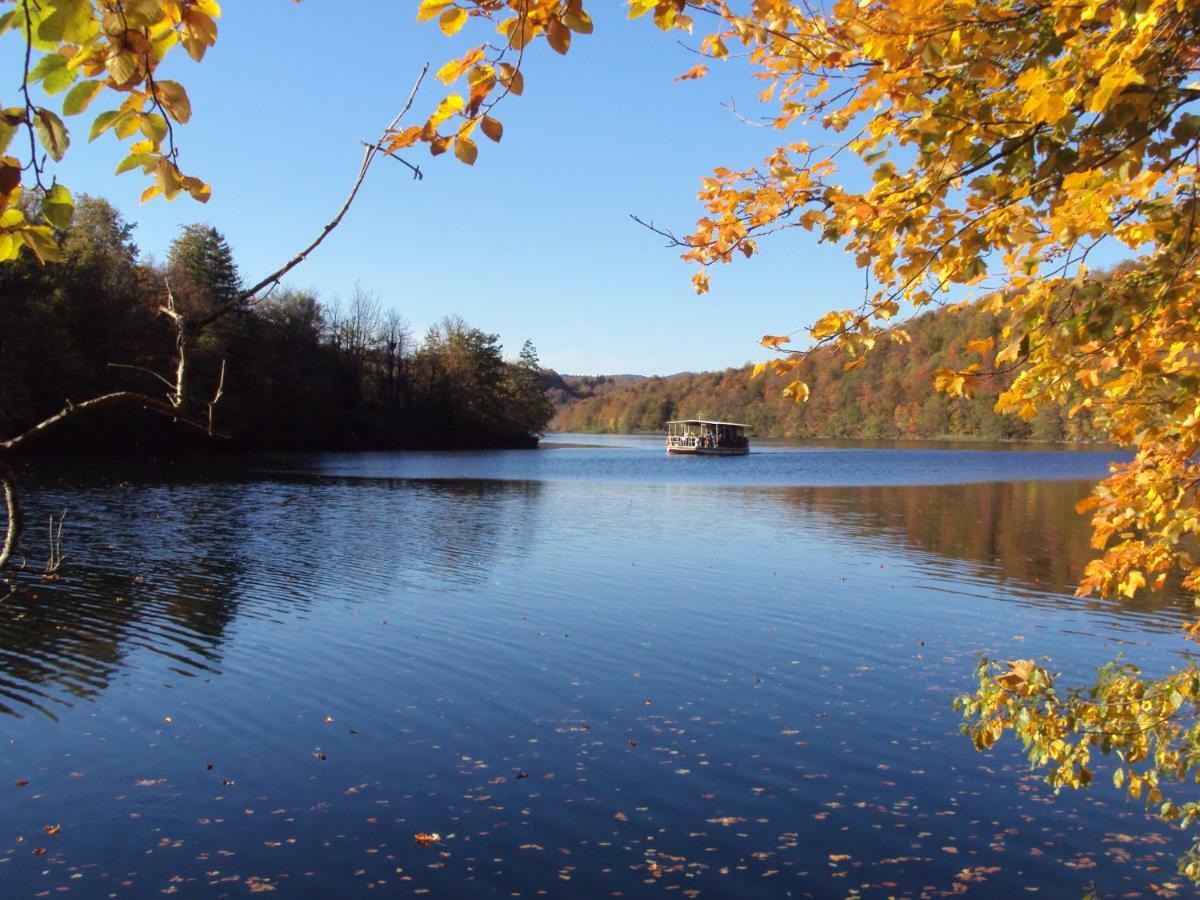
(970, 149)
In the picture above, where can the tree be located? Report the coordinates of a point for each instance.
(528, 396)
(200, 264)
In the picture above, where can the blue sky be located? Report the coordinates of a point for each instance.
(535, 240)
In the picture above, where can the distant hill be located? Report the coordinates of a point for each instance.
(566, 389)
(891, 396)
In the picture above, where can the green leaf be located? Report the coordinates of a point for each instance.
(103, 122)
(80, 97)
(52, 71)
(58, 207)
(52, 133)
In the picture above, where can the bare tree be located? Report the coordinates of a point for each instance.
(396, 339)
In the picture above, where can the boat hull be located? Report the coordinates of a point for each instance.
(709, 451)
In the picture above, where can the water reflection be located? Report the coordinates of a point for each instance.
(166, 569)
(287, 674)
(1025, 534)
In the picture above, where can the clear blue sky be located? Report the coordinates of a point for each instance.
(535, 240)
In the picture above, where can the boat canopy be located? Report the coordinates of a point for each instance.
(707, 422)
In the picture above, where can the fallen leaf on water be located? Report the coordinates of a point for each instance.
(22, 782)
(52, 829)
(425, 838)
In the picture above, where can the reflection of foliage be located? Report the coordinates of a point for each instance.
(1149, 725)
(890, 396)
(1024, 532)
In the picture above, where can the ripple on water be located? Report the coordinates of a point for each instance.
(584, 678)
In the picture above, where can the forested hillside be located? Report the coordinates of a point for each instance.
(890, 396)
(291, 372)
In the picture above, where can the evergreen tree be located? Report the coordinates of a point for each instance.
(201, 267)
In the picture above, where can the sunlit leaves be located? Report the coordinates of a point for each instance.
(174, 100)
(81, 96)
(452, 20)
(51, 133)
(492, 128)
(465, 150)
(512, 79)
(86, 49)
(57, 207)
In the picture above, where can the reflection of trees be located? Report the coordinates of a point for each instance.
(1025, 532)
(151, 568)
(392, 529)
(166, 568)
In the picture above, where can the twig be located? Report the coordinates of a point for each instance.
(55, 557)
(372, 151)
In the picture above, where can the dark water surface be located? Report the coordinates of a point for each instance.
(591, 669)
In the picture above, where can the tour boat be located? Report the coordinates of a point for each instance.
(700, 437)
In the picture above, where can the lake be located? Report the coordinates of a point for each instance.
(590, 670)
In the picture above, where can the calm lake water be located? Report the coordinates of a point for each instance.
(591, 669)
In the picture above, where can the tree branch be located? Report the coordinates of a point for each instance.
(371, 151)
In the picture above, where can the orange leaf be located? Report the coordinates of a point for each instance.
(695, 72)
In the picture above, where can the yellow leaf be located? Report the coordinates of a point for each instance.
(452, 20)
(174, 100)
(983, 345)
(430, 8)
(798, 391)
(828, 325)
(773, 341)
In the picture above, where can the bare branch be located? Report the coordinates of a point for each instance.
(12, 505)
(372, 151)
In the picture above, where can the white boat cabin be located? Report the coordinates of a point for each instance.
(702, 437)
